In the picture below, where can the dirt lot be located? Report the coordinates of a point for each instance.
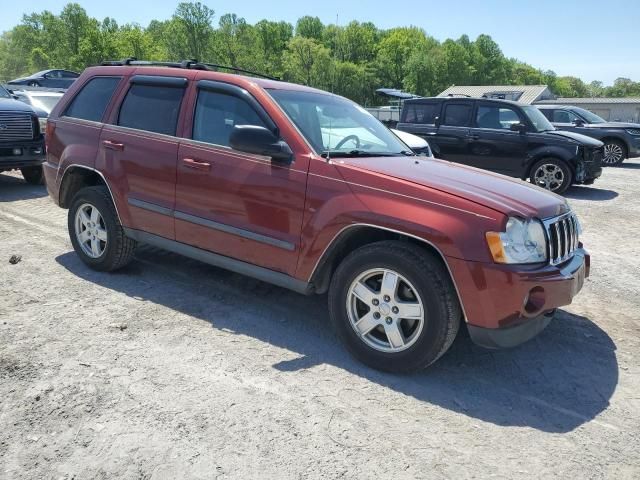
(174, 369)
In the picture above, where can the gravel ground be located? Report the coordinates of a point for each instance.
(174, 369)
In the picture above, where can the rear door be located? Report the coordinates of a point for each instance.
(492, 143)
(452, 135)
(139, 149)
(420, 118)
(237, 204)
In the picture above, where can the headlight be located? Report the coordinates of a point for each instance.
(633, 131)
(523, 241)
(43, 124)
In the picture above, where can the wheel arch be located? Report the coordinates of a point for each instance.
(553, 154)
(358, 235)
(620, 139)
(77, 177)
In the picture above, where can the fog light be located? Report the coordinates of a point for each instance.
(17, 151)
(37, 150)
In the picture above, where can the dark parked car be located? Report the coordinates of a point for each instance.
(48, 78)
(621, 140)
(505, 137)
(21, 138)
(306, 190)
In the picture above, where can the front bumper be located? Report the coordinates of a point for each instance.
(506, 305)
(32, 153)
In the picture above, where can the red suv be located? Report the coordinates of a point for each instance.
(306, 190)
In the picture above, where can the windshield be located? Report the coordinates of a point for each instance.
(4, 93)
(589, 116)
(336, 126)
(540, 122)
(46, 102)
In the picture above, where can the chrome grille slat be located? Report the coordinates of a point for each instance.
(563, 237)
(16, 126)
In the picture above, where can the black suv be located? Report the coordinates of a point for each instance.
(621, 140)
(505, 137)
(21, 138)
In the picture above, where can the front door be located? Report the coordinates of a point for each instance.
(236, 204)
(493, 145)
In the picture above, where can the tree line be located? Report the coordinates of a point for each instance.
(351, 60)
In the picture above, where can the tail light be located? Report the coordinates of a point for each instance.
(51, 128)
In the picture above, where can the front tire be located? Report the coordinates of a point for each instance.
(551, 174)
(33, 175)
(95, 231)
(615, 152)
(394, 306)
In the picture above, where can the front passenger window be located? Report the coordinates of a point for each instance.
(563, 116)
(217, 113)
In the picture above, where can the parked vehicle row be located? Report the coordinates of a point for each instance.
(621, 140)
(306, 190)
(504, 137)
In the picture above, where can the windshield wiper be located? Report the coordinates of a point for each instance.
(361, 153)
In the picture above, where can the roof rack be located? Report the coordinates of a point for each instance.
(191, 64)
(458, 95)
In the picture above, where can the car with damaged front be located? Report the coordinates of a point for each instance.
(308, 191)
(504, 137)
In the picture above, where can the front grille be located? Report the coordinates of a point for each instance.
(16, 126)
(563, 235)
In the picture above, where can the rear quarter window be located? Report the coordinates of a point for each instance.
(91, 101)
(421, 113)
(154, 108)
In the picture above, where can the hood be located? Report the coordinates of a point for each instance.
(613, 125)
(503, 194)
(412, 141)
(12, 105)
(576, 137)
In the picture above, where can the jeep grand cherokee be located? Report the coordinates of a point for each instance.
(307, 190)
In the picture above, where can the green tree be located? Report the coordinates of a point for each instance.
(310, 27)
(195, 19)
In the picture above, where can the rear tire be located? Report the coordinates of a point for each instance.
(95, 231)
(615, 152)
(408, 329)
(33, 175)
(551, 174)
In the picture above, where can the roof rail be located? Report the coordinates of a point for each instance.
(458, 95)
(192, 64)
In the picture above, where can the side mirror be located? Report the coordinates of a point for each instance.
(518, 127)
(578, 122)
(259, 140)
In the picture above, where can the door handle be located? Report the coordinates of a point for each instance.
(196, 164)
(113, 145)
(474, 137)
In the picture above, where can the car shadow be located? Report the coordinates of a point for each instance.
(14, 188)
(632, 166)
(590, 193)
(554, 383)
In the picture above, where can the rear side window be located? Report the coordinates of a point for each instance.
(91, 102)
(457, 115)
(423, 113)
(217, 113)
(154, 108)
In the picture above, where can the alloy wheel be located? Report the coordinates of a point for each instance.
(612, 153)
(549, 176)
(385, 310)
(91, 231)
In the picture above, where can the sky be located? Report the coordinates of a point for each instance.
(590, 39)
